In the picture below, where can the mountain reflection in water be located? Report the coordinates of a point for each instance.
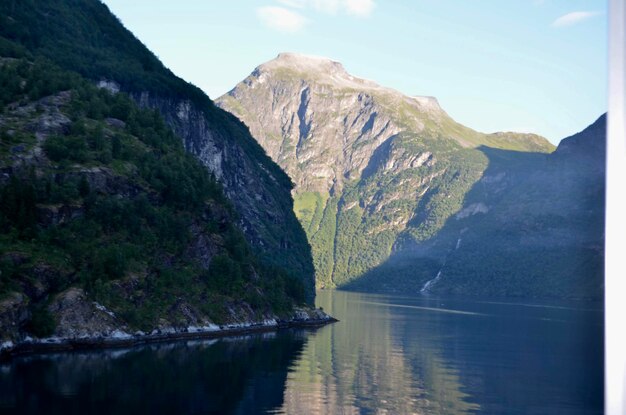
(388, 354)
(238, 375)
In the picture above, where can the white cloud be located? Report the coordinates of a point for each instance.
(326, 6)
(572, 18)
(297, 4)
(358, 8)
(281, 19)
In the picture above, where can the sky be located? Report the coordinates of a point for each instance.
(535, 66)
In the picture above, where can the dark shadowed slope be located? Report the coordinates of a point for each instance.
(532, 226)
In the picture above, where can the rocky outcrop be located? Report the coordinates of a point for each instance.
(86, 325)
(78, 317)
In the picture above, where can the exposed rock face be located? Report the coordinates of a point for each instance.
(257, 188)
(13, 313)
(374, 169)
(322, 125)
(78, 317)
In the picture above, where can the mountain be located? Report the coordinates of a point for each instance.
(530, 229)
(130, 206)
(84, 37)
(376, 172)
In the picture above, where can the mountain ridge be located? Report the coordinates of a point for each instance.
(308, 65)
(331, 71)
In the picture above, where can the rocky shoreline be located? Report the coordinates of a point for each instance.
(120, 339)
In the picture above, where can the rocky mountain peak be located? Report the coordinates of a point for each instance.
(304, 63)
(369, 163)
(323, 72)
(316, 69)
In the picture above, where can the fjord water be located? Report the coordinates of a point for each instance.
(388, 354)
(417, 355)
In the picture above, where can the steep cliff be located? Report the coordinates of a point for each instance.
(375, 170)
(83, 36)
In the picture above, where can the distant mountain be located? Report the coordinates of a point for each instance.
(379, 173)
(84, 37)
(532, 226)
(587, 147)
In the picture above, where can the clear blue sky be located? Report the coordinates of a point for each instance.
(495, 65)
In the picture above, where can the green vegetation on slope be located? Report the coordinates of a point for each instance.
(309, 209)
(322, 244)
(356, 231)
(82, 35)
(101, 195)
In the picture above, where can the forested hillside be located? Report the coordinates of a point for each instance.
(84, 37)
(121, 213)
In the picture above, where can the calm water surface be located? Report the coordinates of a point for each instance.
(387, 355)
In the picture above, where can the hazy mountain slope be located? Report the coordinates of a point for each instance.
(83, 36)
(107, 226)
(548, 230)
(540, 231)
(374, 169)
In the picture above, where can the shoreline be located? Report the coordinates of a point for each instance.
(51, 345)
